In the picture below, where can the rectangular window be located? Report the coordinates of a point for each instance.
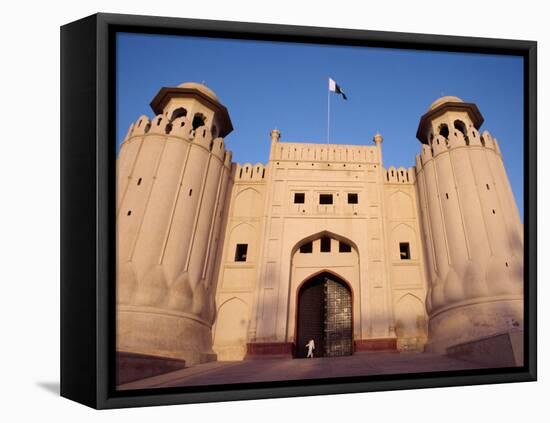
(353, 198)
(240, 252)
(325, 244)
(344, 248)
(306, 248)
(404, 251)
(299, 198)
(325, 198)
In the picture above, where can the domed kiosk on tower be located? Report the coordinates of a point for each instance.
(196, 99)
(443, 100)
(441, 106)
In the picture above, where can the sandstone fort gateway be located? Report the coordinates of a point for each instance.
(224, 261)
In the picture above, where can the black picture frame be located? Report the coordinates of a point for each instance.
(88, 218)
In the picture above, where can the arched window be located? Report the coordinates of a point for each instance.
(444, 130)
(214, 131)
(462, 128)
(198, 120)
(179, 112)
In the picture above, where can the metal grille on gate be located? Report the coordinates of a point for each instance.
(337, 324)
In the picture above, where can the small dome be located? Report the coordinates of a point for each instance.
(445, 99)
(200, 87)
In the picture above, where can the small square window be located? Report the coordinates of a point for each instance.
(306, 248)
(325, 244)
(405, 251)
(240, 252)
(325, 198)
(353, 198)
(344, 248)
(299, 198)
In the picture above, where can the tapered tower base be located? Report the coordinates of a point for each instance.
(474, 320)
(154, 332)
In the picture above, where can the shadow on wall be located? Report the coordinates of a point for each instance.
(410, 323)
(231, 331)
(517, 245)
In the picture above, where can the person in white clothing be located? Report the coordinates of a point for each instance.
(310, 347)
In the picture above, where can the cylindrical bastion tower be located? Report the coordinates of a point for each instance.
(473, 235)
(172, 178)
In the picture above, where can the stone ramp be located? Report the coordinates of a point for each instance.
(280, 369)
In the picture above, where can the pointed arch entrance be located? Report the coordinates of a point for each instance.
(325, 315)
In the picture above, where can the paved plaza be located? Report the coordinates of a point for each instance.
(277, 369)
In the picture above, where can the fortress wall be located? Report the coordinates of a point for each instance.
(325, 152)
(237, 280)
(407, 274)
(314, 170)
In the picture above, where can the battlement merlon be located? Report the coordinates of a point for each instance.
(400, 175)
(180, 128)
(320, 152)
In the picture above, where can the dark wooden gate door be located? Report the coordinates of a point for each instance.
(325, 315)
(311, 315)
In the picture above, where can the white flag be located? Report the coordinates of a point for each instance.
(335, 88)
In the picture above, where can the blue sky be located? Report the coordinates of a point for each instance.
(268, 85)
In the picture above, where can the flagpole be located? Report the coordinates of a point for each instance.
(328, 115)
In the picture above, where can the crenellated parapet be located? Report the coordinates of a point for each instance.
(489, 142)
(324, 152)
(400, 175)
(179, 128)
(440, 144)
(250, 173)
(139, 128)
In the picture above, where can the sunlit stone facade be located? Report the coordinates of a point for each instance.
(215, 259)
